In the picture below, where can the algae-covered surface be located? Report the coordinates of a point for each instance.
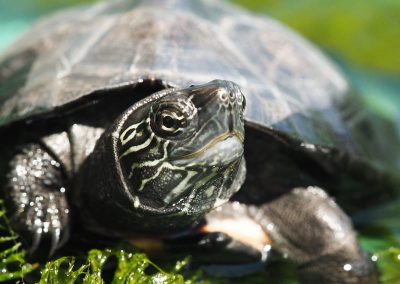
(365, 36)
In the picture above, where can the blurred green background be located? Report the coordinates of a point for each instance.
(362, 36)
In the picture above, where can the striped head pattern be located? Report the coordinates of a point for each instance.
(180, 151)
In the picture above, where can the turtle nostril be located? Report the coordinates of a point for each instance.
(223, 97)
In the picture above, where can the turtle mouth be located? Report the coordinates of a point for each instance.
(222, 150)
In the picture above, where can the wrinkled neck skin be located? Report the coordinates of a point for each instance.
(140, 180)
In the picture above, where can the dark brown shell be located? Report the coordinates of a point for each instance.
(290, 86)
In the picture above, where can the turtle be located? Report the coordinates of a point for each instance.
(162, 118)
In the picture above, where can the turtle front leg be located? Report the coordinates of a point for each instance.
(36, 200)
(309, 228)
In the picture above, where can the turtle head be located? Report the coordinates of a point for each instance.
(179, 153)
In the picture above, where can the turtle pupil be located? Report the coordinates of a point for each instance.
(168, 122)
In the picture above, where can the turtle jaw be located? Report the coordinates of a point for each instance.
(221, 151)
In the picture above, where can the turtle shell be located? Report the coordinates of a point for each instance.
(291, 88)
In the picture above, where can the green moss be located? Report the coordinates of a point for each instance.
(130, 268)
(13, 264)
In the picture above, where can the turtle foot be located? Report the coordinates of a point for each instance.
(47, 229)
(36, 200)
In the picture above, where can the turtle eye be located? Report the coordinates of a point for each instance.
(173, 118)
(169, 122)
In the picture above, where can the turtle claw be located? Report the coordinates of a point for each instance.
(37, 235)
(43, 226)
(55, 241)
(46, 237)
